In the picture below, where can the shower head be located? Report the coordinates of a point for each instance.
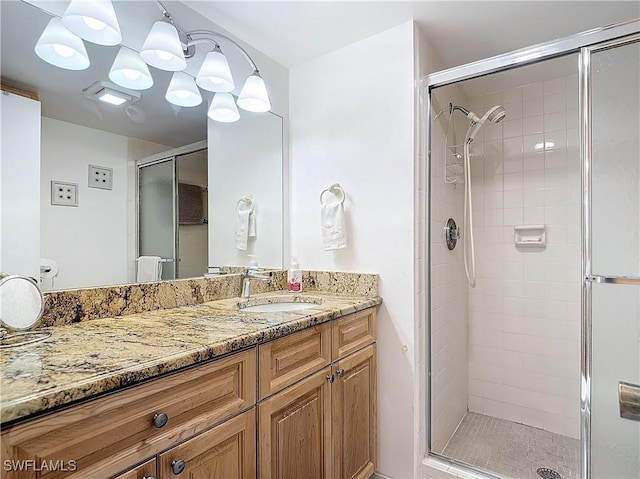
(495, 114)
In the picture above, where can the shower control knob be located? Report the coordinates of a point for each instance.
(452, 233)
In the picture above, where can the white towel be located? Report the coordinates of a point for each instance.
(252, 224)
(242, 229)
(334, 235)
(149, 269)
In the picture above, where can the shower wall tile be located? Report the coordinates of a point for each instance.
(524, 314)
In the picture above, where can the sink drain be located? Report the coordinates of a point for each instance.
(547, 473)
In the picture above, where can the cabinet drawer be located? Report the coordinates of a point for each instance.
(291, 358)
(227, 451)
(143, 471)
(108, 435)
(353, 332)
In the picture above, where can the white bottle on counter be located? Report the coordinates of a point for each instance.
(294, 277)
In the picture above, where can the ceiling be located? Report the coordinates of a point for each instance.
(294, 32)
(290, 32)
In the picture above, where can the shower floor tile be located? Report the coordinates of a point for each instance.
(512, 450)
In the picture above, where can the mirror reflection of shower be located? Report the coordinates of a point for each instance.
(495, 114)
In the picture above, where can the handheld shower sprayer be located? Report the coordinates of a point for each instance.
(495, 114)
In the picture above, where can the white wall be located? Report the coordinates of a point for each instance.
(245, 158)
(88, 241)
(19, 185)
(524, 358)
(352, 122)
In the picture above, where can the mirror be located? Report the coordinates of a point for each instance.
(95, 243)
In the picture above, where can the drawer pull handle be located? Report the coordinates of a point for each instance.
(160, 420)
(340, 372)
(177, 467)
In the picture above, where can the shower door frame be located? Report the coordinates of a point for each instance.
(581, 44)
(169, 155)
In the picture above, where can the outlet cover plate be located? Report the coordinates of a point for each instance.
(100, 177)
(64, 194)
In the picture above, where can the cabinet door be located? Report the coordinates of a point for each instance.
(227, 451)
(295, 431)
(354, 412)
(143, 471)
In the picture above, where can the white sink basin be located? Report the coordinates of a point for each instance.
(273, 304)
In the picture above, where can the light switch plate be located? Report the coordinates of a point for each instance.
(64, 194)
(100, 177)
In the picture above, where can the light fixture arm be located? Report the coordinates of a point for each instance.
(231, 40)
(166, 13)
(191, 41)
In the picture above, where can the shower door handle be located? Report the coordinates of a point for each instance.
(615, 279)
(629, 400)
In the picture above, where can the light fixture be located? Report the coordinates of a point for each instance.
(166, 47)
(223, 108)
(112, 94)
(215, 74)
(253, 96)
(130, 71)
(162, 48)
(94, 20)
(61, 48)
(183, 91)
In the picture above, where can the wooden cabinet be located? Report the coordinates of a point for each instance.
(353, 409)
(353, 332)
(106, 436)
(291, 358)
(143, 471)
(227, 451)
(316, 417)
(295, 430)
(323, 426)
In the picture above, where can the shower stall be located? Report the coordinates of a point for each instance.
(534, 261)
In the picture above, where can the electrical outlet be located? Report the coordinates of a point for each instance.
(100, 177)
(64, 194)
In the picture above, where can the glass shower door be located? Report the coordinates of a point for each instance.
(612, 287)
(157, 213)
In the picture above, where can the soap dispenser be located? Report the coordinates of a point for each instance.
(294, 277)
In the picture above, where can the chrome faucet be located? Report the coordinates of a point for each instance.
(249, 274)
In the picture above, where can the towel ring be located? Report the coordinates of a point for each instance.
(247, 200)
(337, 190)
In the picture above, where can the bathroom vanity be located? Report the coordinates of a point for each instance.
(203, 391)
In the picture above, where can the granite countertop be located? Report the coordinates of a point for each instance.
(93, 357)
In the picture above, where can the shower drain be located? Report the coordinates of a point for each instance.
(547, 473)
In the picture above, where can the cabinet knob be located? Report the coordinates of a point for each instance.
(340, 372)
(330, 378)
(160, 420)
(148, 477)
(177, 467)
